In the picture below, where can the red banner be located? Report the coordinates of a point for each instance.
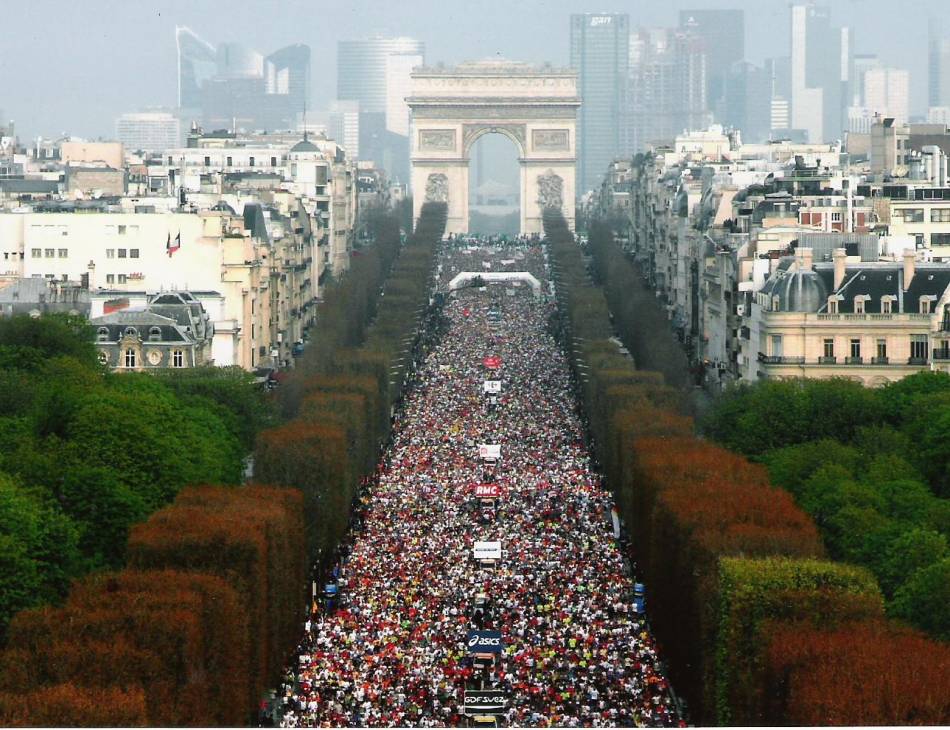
(488, 491)
(492, 362)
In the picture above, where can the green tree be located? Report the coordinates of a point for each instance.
(52, 335)
(911, 551)
(924, 600)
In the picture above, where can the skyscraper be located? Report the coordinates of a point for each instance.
(667, 85)
(148, 131)
(723, 34)
(600, 52)
(364, 75)
(234, 86)
(938, 67)
(820, 73)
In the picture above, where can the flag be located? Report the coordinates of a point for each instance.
(172, 246)
(114, 305)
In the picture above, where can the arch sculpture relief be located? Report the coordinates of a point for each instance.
(437, 188)
(550, 190)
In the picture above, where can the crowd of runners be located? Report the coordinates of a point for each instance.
(413, 621)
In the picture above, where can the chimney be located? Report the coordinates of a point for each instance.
(910, 258)
(840, 257)
(806, 259)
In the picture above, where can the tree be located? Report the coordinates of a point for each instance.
(911, 551)
(924, 600)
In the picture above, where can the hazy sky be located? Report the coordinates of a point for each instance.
(74, 65)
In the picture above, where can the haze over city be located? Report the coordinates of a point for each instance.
(102, 57)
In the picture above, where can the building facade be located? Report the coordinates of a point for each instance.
(148, 131)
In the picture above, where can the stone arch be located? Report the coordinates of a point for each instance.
(474, 132)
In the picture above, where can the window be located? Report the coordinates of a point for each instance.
(919, 347)
(133, 253)
(49, 252)
(230, 161)
(250, 162)
(911, 215)
(829, 347)
(886, 305)
(122, 253)
(122, 278)
(919, 240)
(207, 161)
(110, 278)
(859, 305)
(273, 162)
(776, 345)
(103, 357)
(881, 349)
(927, 304)
(155, 334)
(64, 253)
(940, 239)
(110, 253)
(130, 357)
(122, 230)
(832, 305)
(836, 217)
(131, 332)
(103, 334)
(940, 215)
(178, 359)
(855, 348)
(36, 253)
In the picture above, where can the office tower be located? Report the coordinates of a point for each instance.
(747, 101)
(399, 86)
(600, 52)
(363, 74)
(723, 35)
(361, 69)
(938, 81)
(148, 131)
(820, 73)
(233, 87)
(886, 92)
(778, 71)
(344, 126)
(667, 85)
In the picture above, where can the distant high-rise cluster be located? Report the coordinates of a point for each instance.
(374, 74)
(234, 87)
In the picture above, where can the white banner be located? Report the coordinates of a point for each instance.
(487, 550)
(489, 451)
(492, 386)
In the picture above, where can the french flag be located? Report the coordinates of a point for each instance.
(172, 246)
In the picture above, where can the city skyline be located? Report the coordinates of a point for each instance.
(51, 99)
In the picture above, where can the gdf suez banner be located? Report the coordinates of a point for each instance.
(484, 702)
(484, 642)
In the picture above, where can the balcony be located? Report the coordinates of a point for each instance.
(780, 360)
(855, 360)
(827, 360)
(917, 361)
(942, 353)
(879, 360)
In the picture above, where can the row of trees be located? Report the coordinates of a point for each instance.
(345, 387)
(861, 462)
(189, 635)
(202, 620)
(86, 453)
(730, 561)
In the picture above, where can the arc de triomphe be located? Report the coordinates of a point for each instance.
(535, 107)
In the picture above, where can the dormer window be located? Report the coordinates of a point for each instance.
(776, 303)
(103, 334)
(886, 304)
(131, 332)
(155, 334)
(859, 303)
(832, 305)
(927, 303)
